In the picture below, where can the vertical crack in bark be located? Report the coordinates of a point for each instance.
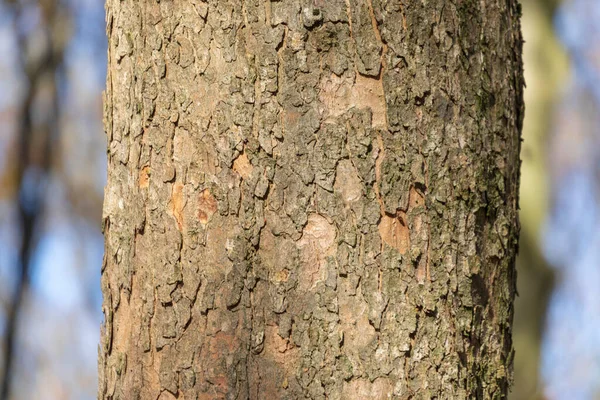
(378, 35)
(257, 98)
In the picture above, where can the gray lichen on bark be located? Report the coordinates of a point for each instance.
(310, 199)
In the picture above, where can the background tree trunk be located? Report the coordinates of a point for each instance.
(310, 199)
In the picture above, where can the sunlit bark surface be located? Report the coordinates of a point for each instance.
(310, 200)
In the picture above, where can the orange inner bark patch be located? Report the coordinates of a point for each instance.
(177, 203)
(279, 361)
(207, 206)
(223, 343)
(359, 389)
(242, 166)
(209, 396)
(144, 177)
(281, 276)
(347, 182)
(122, 327)
(318, 230)
(280, 350)
(290, 117)
(316, 245)
(415, 199)
(378, 160)
(166, 395)
(219, 346)
(394, 231)
(339, 94)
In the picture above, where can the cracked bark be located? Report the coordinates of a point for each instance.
(310, 199)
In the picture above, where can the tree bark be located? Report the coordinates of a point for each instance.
(310, 199)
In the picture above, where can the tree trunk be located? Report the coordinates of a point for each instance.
(310, 200)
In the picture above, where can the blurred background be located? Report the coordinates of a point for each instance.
(53, 170)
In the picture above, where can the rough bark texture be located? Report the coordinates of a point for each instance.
(310, 199)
